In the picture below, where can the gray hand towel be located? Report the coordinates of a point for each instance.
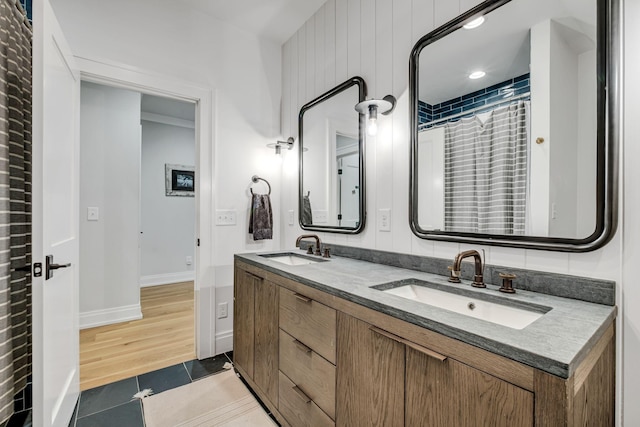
(307, 215)
(261, 218)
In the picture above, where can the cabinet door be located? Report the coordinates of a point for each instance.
(370, 376)
(449, 393)
(243, 320)
(266, 339)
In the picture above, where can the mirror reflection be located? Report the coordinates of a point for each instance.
(331, 171)
(507, 121)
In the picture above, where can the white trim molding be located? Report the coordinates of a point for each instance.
(167, 120)
(165, 279)
(109, 316)
(148, 82)
(224, 341)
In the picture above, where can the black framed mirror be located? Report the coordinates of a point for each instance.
(332, 167)
(514, 126)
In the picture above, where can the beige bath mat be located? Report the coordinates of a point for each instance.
(218, 400)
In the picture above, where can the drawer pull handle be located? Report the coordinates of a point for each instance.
(302, 346)
(410, 344)
(302, 298)
(302, 394)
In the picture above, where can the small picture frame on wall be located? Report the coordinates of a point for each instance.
(179, 180)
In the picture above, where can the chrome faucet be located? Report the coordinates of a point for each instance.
(309, 236)
(478, 280)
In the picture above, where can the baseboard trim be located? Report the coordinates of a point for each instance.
(109, 316)
(224, 341)
(165, 279)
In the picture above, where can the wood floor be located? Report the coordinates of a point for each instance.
(164, 336)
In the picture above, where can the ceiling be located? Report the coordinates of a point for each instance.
(500, 46)
(275, 20)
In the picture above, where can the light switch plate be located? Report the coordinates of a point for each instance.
(93, 214)
(291, 217)
(384, 219)
(225, 217)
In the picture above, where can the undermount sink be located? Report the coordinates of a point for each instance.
(291, 258)
(466, 303)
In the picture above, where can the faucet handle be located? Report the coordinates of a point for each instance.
(507, 283)
(454, 276)
(326, 253)
(310, 250)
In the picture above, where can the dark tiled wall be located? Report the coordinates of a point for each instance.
(498, 92)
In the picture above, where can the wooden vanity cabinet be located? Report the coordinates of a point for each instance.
(387, 381)
(318, 360)
(255, 338)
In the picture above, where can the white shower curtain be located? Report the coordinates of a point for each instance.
(486, 172)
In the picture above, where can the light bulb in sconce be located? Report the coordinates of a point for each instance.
(371, 108)
(475, 23)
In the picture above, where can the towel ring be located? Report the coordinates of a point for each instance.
(256, 178)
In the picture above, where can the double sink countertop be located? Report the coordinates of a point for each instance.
(555, 343)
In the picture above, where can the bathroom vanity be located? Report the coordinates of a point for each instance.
(336, 342)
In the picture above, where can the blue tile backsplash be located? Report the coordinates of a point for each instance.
(498, 92)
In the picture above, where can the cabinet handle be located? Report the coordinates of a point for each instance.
(410, 344)
(302, 298)
(302, 346)
(301, 394)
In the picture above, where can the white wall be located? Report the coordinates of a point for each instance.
(170, 39)
(167, 223)
(629, 334)
(563, 136)
(431, 179)
(109, 181)
(564, 114)
(586, 155)
(373, 39)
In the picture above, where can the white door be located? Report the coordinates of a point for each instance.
(56, 100)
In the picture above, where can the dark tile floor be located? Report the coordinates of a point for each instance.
(112, 404)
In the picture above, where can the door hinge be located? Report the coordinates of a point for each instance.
(339, 216)
(198, 243)
(37, 269)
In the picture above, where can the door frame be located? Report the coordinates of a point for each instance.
(147, 82)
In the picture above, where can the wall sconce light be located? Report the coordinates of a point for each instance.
(372, 107)
(288, 144)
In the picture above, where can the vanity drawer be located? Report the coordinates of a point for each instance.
(311, 322)
(297, 408)
(312, 373)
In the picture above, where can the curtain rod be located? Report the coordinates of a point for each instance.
(432, 123)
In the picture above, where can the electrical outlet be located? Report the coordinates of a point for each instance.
(225, 217)
(223, 309)
(291, 217)
(384, 219)
(93, 214)
(320, 216)
(189, 260)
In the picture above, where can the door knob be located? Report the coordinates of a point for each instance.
(50, 266)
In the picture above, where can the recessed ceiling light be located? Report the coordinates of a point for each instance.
(474, 24)
(477, 75)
